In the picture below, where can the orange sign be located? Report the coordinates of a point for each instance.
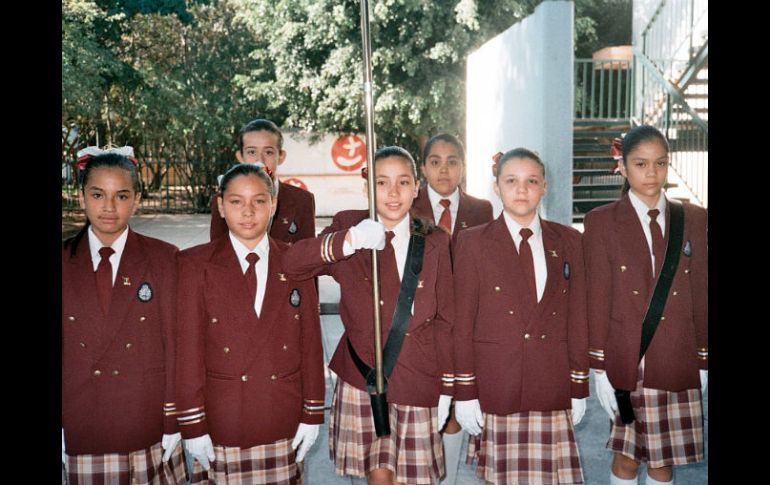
(295, 182)
(349, 152)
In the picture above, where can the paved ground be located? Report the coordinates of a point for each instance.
(190, 229)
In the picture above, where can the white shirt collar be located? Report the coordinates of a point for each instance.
(277, 184)
(642, 209)
(262, 250)
(118, 245)
(402, 230)
(435, 198)
(514, 228)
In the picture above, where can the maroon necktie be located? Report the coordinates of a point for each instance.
(658, 246)
(446, 217)
(104, 279)
(528, 264)
(251, 276)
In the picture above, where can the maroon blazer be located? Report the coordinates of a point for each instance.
(471, 211)
(509, 360)
(426, 355)
(620, 285)
(294, 218)
(118, 371)
(245, 380)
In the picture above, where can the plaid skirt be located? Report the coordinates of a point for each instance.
(134, 468)
(532, 447)
(668, 429)
(273, 463)
(413, 451)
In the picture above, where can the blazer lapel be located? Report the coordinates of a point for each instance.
(554, 261)
(635, 253)
(131, 277)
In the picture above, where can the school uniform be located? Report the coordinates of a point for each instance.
(294, 217)
(523, 361)
(250, 368)
(423, 370)
(621, 278)
(465, 210)
(118, 367)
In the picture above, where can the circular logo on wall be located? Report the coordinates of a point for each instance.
(295, 182)
(349, 152)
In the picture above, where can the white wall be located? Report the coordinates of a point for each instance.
(520, 94)
(335, 189)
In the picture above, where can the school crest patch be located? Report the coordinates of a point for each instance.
(294, 298)
(293, 228)
(144, 293)
(687, 249)
(567, 270)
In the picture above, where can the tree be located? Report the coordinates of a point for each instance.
(419, 51)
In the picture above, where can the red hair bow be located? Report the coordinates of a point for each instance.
(88, 153)
(264, 168)
(365, 173)
(496, 158)
(616, 150)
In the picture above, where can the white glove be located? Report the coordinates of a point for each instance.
(704, 378)
(201, 449)
(306, 434)
(468, 414)
(606, 394)
(578, 410)
(367, 234)
(444, 402)
(63, 454)
(169, 443)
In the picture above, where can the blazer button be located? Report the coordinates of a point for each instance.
(142, 318)
(662, 318)
(285, 347)
(83, 344)
(115, 373)
(427, 319)
(623, 269)
(129, 345)
(214, 320)
(554, 313)
(296, 316)
(382, 302)
(497, 288)
(71, 318)
(564, 290)
(244, 378)
(675, 293)
(687, 271)
(635, 292)
(542, 337)
(510, 312)
(526, 336)
(272, 377)
(226, 349)
(97, 372)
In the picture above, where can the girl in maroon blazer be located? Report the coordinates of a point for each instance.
(250, 381)
(118, 314)
(420, 387)
(521, 336)
(442, 200)
(625, 245)
(261, 141)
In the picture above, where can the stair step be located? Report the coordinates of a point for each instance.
(582, 134)
(589, 172)
(584, 187)
(591, 147)
(594, 202)
(593, 159)
(696, 96)
(624, 123)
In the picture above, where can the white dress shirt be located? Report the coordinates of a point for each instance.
(438, 209)
(94, 244)
(260, 269)
(536, 245)
(641, 211)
